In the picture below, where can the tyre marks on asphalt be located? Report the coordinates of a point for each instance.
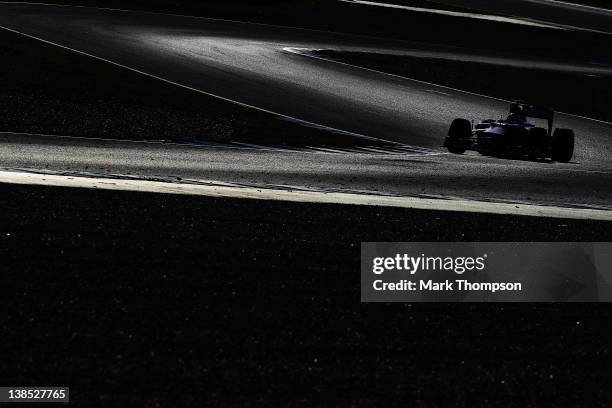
(395, 149)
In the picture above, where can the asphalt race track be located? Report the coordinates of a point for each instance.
(269, 68)
(554, 11)
(133, 298)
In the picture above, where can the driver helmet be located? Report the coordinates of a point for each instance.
(515, 108)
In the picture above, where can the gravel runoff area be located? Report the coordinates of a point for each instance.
(160, 300)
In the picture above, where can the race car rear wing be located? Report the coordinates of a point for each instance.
(531, 111)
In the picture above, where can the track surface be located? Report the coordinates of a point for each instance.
(254, 64)
(560, 12)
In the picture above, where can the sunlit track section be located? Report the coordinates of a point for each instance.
(564, 13)
(505, 19)
(585, 69)
(475, 16)
(396, 150)
(315, 54)
(573, 6)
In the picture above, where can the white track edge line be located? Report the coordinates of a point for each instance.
(25, 178)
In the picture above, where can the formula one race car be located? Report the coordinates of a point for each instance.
(513, 137)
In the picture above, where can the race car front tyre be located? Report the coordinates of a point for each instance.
(460, 130)
(563, 145)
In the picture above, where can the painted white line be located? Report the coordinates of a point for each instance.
(438, 92)
(474, 16)
(568, 4)
(519, 20)
(234, 191)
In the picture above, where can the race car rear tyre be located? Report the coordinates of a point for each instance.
(460, 130)
(563, 145)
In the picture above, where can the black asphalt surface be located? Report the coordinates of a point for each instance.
(250, 63)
